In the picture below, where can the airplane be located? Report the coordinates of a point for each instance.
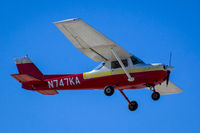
(119, 70)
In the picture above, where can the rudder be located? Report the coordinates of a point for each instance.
(26, 66)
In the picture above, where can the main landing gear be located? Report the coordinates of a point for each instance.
(133, 105)
(109, 90)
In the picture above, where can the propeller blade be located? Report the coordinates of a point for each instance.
(168, 75)
(170, 58)
(168, 71)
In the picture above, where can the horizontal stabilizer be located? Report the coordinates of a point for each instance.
(48, 92)
(166, 90)
(25, 78)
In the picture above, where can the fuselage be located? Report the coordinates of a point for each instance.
(143, 74)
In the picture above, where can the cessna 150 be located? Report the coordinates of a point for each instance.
(120, 70)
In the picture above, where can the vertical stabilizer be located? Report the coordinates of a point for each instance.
(26, 66)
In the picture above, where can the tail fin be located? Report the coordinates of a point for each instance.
(26, 66)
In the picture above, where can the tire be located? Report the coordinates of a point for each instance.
(109, 90)
(133, 106)
(155, 96)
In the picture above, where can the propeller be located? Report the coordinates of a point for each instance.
(168, 75)
(168, 69)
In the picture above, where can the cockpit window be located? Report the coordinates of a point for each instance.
(115, 64)
(136, 60)
(99, 66)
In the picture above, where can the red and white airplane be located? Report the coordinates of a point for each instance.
(119, 69)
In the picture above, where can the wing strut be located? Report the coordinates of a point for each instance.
(130, 79)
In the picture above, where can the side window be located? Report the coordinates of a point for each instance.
(135, 60)
(115, 64)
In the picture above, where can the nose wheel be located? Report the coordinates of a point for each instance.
(155, 96)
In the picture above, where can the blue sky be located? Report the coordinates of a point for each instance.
(148, 29)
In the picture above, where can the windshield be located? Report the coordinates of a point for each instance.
(99, 66)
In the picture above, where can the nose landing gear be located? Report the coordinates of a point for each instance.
(155, 95)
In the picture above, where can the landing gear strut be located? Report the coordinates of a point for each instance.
(132, 106)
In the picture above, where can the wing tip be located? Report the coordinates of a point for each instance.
(180, 90)
(67, 20)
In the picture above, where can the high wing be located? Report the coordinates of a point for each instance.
(170, 89)
(91, 42)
